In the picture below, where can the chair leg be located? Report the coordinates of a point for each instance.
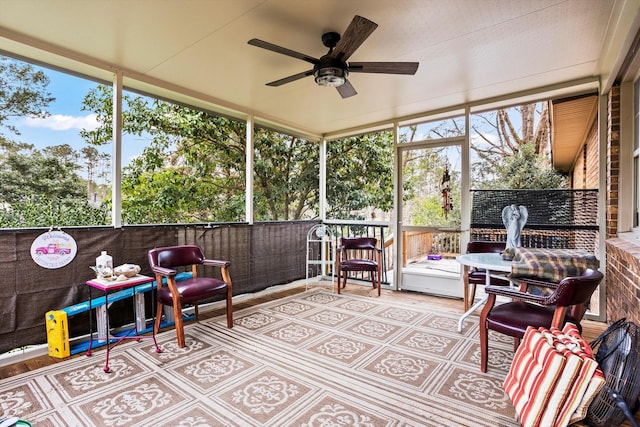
(156, 326)
(339, 277)
(484, 347)
(484, 332)
(229, 307)
(177, 314)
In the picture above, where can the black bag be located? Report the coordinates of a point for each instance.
(618, 354)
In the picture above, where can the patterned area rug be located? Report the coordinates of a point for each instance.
(311, 359)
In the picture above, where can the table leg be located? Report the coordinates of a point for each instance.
(475, 306)
(106, 306)
(153, 318)
(90, 324)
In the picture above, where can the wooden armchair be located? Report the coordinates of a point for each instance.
(567, 303)
(165, 261)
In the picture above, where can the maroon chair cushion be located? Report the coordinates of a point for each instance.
(508, 319)
(193, 290)
(359, 265)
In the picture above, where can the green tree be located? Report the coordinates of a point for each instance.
(286, 172)
(194, 168)
(43, 188)
(526, 169)
(360, 175)
(23, 92)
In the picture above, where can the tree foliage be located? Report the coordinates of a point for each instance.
(39, 187)
(513, 150)
(527, 170)
(360, 175)
(23, 92)
(193, 170)
(43, 188)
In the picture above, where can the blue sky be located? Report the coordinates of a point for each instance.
(67, 119)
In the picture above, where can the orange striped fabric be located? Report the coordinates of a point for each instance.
(553, 377)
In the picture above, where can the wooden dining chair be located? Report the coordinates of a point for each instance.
(359, 254)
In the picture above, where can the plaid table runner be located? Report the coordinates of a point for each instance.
(551, 264)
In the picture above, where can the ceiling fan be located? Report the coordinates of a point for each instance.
(333, 69)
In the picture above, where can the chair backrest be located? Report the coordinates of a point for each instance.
(577, 290)
(358, 247)
(480, 246)
(363, 243)
(175, 256)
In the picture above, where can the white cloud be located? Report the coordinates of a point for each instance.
(63, 122)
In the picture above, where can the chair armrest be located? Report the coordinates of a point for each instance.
(527, 281)
(216, 263)
(510, 292)
(168, 272)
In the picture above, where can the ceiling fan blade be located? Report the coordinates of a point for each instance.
(290, 78)
(282, 50)
(356, 33)
(384, 67)
(346, 90)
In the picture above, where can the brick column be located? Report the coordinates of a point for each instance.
(613, 161)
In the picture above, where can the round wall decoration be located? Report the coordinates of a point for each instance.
(53, 249)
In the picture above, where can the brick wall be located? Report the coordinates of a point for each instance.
(623, 256)
(613, 161)
(623, 280)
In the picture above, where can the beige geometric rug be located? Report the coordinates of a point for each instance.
(314, 359)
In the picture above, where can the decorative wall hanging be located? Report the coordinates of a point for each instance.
(53, 249)
(445, 188)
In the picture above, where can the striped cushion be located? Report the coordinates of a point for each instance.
(553, 377)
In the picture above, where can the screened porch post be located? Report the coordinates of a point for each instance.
(396, 220)
(323, 180)
(249, 172)
(116, 161)
(465, 185)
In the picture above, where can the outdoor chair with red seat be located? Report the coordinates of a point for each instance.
(359, 254)
(567, 303)
(166, 262)
(477, 276)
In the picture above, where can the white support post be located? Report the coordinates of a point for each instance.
(116, 160)
(249, 172)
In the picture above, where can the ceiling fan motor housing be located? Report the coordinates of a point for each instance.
(330, 71)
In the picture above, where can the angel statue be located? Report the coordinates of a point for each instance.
(514, 218)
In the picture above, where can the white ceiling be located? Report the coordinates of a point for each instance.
(468, 50)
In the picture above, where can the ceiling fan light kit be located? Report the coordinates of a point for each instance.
(330, 76)
(332, 69)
